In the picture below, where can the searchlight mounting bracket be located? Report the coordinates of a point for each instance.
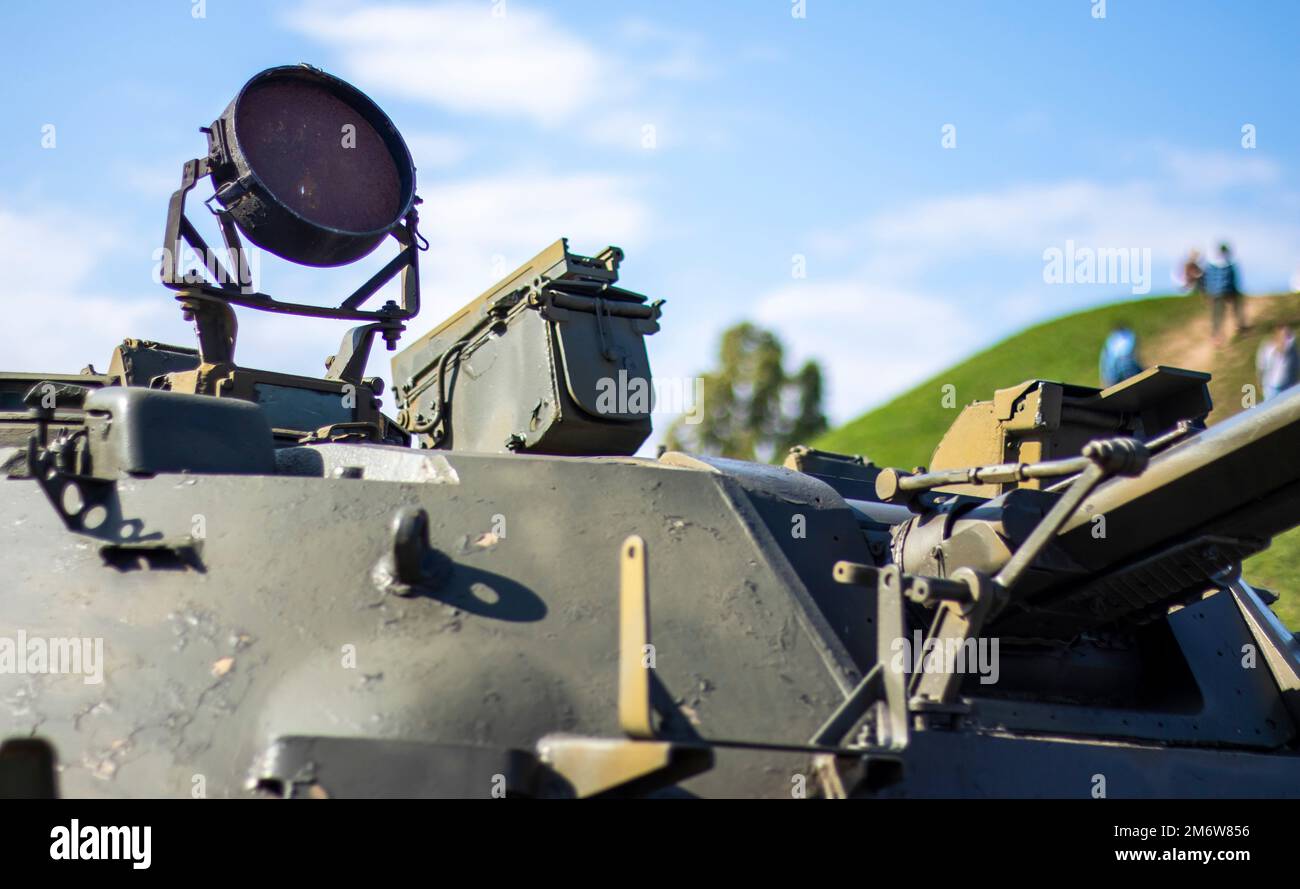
(217, 283)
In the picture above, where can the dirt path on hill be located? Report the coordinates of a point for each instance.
(1188, 346)
(1232, 365)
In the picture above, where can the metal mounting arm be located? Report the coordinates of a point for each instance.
(233, 279)
(965, 601)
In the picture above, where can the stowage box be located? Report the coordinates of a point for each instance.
(550, 360)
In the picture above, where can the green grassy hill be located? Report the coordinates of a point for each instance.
(1172, 330)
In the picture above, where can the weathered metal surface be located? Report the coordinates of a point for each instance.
(225, 581)
(203, 670)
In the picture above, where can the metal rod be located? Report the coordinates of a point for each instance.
(634, 709)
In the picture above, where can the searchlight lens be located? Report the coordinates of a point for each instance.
(310, 168)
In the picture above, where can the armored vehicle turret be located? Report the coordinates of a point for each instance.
(265, 584)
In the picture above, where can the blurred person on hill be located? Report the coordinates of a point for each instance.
(1119, 358)
(1277, 362)
(1193, 280)
(1221, 287)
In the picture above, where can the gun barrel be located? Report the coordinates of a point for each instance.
(1240, 478)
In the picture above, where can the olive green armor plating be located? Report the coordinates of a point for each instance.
(272, 587)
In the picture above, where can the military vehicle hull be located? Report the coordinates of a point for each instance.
(224, 581)
(275, 628)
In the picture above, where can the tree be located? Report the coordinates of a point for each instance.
(752, 408)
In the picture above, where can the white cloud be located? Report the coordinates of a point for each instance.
(877, 328)
(1024, 220)
(58, 317)
(480, 229)
(65, 307)
(432, 150)
(522, 64)
(462, 57)
(647, 130)
(1218, 170)
(679, 55)
(873, 340)
(152, 183)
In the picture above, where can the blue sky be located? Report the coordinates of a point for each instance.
(780, 143)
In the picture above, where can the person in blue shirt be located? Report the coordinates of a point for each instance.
(1277, 362)
(1220, 281)
(1119, 358)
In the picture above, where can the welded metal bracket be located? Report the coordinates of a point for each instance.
(594, 766)
(641, 761)
(884, 687)
(635, 710)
